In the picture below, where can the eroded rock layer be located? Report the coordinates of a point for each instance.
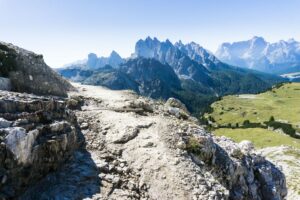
(37, 135)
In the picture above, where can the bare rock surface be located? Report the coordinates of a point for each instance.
(25, 71)
(37, 136)
(136, 149)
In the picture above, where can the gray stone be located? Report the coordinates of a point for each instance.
(5, 84)
(4, 123)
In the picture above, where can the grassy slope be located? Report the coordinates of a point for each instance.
(283, 103)
(260, 137)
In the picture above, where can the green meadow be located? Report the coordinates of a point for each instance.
(260, 137)
(282, 103)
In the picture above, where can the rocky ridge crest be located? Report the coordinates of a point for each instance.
(137, 148)
(25, 71)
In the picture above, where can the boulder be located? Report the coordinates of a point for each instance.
(4, 123)
(172, 102)
(176, 108)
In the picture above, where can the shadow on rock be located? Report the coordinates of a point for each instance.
(76, 179)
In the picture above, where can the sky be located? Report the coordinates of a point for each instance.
(67, 30)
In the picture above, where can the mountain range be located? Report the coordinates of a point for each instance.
(278, 58)
(161, 69)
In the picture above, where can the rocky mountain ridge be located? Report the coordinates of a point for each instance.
(279, 57)
(95, 62)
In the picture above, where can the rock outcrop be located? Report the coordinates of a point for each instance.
(28, 72)
(37, 135)
(136, 149)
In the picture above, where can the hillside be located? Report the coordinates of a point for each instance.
(281, 102)
(25, 71)
(268, 120)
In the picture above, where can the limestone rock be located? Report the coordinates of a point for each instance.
(172, 102)
(27, 72)
(37, 135)
(246, 146)
(4, 123)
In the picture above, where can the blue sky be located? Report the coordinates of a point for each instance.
(67, 30)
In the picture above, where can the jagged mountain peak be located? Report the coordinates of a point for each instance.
(95, 62)
(258, 38)
(114, 53)
(256, 53)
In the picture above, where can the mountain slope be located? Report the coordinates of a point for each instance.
(148, 77)
(155, 79)
(280, 57)
(27, 72)
(191, 61)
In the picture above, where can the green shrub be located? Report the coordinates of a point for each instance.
(246, 122)
(272, 119)
(286, 128)
(193, 145)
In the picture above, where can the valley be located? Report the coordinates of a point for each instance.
(247, 117)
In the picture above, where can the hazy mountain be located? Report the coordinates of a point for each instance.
(95, 62)
(194, 63)
(198, 53)
(280, 57)
(167, 53)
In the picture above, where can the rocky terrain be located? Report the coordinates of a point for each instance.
(25, 71)
(37, 135)
(124, 147)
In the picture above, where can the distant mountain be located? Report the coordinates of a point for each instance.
(191, 62)
(279, 58)
(146, 76)
(167, 53)
(163, 69)
(198, 53)
(94, 62)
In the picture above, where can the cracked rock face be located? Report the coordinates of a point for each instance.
(37, 136)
